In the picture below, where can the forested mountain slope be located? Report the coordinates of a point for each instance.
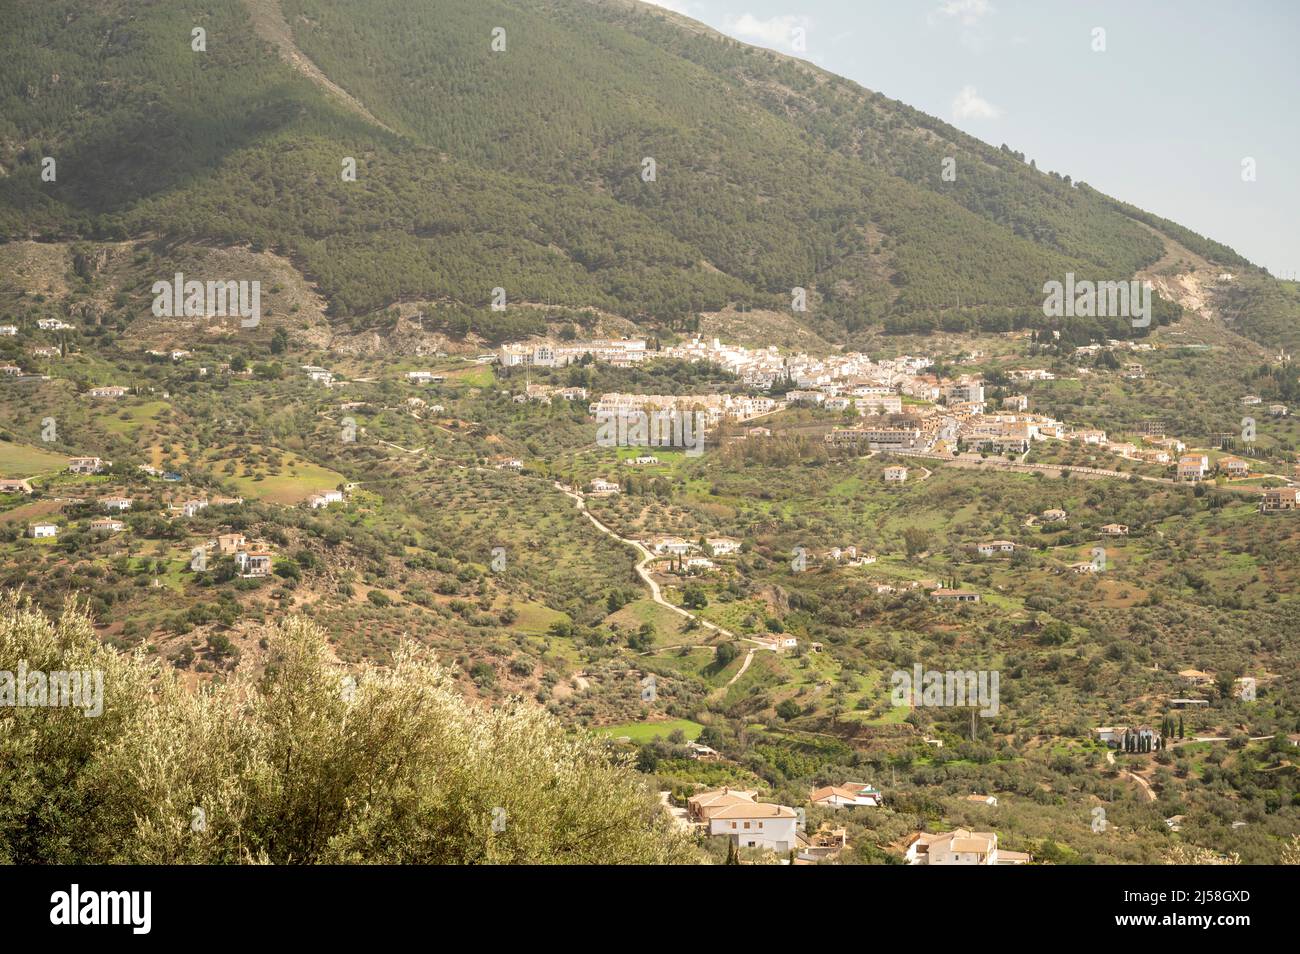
(522, 168)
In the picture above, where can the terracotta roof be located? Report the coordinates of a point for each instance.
(754, 810)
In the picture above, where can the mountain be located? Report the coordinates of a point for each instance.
(523, 168)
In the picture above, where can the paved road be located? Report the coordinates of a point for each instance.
(997, 463)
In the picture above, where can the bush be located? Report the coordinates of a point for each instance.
(288, 768)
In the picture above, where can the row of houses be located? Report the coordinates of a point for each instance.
(619, 352)
(883, 437)
(716, 408)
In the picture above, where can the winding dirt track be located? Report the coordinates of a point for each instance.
(655, 593)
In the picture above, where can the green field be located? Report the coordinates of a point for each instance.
(640, 732)
(23, 460)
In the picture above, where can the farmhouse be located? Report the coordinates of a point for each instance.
(722, 546)
(1088, 436)
(701, 753)
(1193, 467)
(1141, 738)
(14, 486)
(945, 595)
(1115, 530)
(87, 465)
(228, 544)
(995, 546)
(116, 503)
(989, 800)
(604, 487)
(192, 507)
(847, 795)
(777, 642)
(40, 531)
(1055, 515)
(748, 823)
(1234, 466)
(107, 523)
(959, 847)
(895, 475)
(253, 563)
(324, 498)
(674, 545)
(111, 391)
(1280, 498)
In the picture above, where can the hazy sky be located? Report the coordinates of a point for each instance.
(1163, 117)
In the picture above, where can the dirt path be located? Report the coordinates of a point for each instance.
(270, 24)
(1146, 786)
(749, 657)
(641, 570)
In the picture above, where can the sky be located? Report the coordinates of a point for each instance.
(1169, 105)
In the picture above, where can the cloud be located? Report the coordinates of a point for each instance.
(970, 105)
(776, 32)
(968, 12)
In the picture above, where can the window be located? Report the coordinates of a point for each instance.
(746, 824)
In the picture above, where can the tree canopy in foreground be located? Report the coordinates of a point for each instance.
(301, 765)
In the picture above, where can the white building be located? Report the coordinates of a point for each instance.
(324, 499)
(960, 847)
(87, 465)
(748, 823)
(253, 563)
(41, 530)
(848, 795)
